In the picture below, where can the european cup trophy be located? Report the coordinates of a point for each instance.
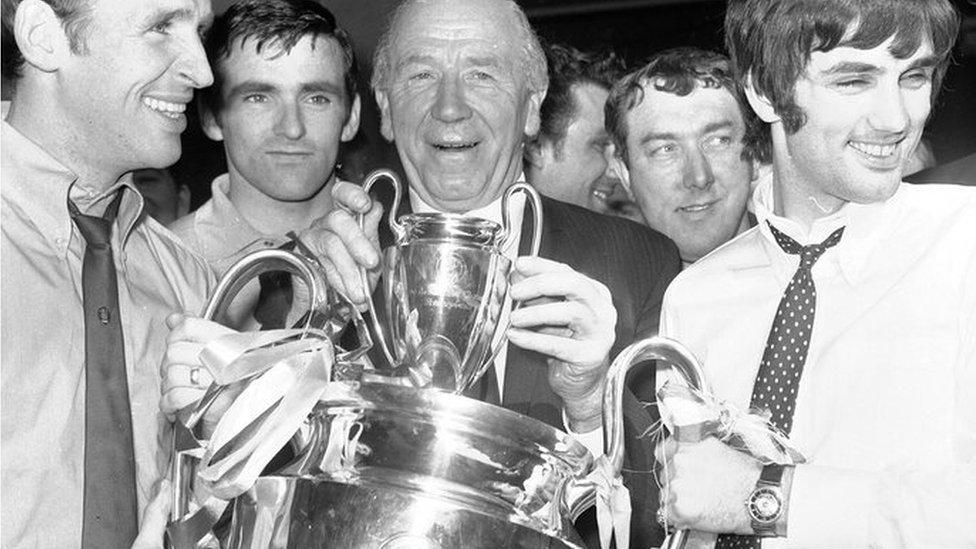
(445, 285)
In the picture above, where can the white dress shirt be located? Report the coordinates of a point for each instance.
(593, 440)
(886, 408)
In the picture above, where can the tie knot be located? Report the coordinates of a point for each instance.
(808, 254)
(97, 231)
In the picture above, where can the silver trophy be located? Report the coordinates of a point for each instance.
(445, 283)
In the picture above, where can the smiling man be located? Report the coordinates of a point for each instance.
(848, 314)
(87, 281)
(568, 158)
(688, 147)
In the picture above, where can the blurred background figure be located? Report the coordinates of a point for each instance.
(165, 199)
(688, 147)
(568, 158)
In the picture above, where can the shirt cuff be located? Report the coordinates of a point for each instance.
(829, 507)
(592, 441)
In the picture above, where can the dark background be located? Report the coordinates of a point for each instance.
(633, 28)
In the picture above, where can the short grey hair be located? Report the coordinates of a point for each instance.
(533, 57)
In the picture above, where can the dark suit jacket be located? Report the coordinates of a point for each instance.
(958, 172)
(636, 264)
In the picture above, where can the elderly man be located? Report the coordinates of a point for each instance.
(688, 147)
(568, 158)
(867, 359)
(459, 84)
(101, 87)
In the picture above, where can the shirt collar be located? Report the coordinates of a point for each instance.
(865, 225)
(32, 176)
(228, 232)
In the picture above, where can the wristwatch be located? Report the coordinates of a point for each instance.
(765, 503)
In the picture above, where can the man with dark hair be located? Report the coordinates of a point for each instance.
(284, 98)
(867, 359)
(688, 147)
(567, 159)
(87, 280)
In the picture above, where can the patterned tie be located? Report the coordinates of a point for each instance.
(110, 492)
(786, 351)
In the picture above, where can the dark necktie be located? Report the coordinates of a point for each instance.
(110, 505)
(786, 350)
(274, 301)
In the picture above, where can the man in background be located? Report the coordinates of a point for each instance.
(688, 147)
(568, 158)
(101, 90)
(165, 199)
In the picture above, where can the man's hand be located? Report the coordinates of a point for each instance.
(342, 247)
(185, 379)
(155, 517)
(582, 313)
(709, 484)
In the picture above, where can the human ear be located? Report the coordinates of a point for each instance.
(40, 35)
(351, 126)
(760, 103)
(532, 118)
(209, 123)
(386, 124)
(618, 168)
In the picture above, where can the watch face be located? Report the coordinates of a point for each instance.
(765, 505)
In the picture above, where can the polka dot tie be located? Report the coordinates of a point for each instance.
(786, 350)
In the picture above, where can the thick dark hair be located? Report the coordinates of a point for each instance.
(75, 17)
(278, 23)
(680, 71)
(569, 67)
(770, 41)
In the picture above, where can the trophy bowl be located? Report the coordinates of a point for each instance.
(390, 466)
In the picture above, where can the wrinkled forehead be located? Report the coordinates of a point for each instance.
(479, 28)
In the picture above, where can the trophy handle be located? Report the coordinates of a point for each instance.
(653, 348)
(506, 235)
(505, 238)
(399, 232)
(230, 284)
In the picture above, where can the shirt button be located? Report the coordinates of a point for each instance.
(268, 244)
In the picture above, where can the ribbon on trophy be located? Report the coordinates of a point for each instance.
(693, 415)
(286, 373)
(612, 504)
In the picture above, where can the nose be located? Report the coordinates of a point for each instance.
(450, 104)
(193, 66)
(888, 110)
(698, 170)
(290, 122)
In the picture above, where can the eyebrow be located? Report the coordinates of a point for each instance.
(257, 86)
(853, 67)
(663, 136)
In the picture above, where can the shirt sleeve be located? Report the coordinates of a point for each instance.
(592, 441)
(904, 505)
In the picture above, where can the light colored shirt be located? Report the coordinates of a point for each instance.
(42, 371)
(886, 405)
(217, 231)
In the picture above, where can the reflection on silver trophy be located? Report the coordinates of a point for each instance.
(444, 284)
